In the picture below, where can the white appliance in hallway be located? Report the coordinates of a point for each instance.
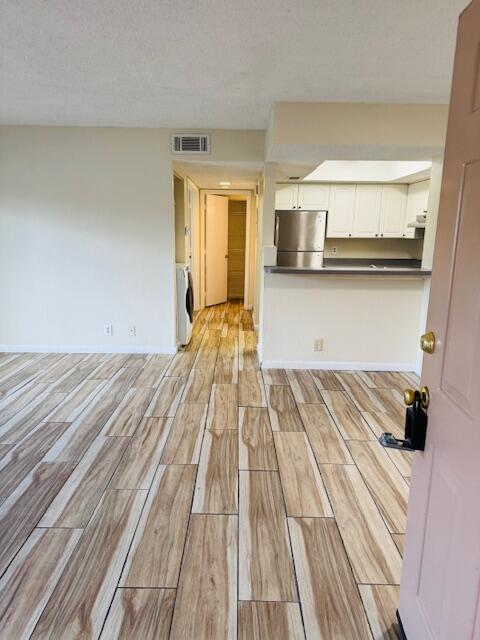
(184, 304)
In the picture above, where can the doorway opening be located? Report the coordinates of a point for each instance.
(227, 246)
(182, 253)
(237, 240)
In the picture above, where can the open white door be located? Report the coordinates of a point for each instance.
(440, 586)
(216, 249)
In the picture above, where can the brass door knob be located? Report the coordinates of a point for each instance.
(427, 342)
(410, 395)
(424, 397)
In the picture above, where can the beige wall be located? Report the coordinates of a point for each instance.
(87, 238)
(355, 131)
(87, 226)
(229, 145)
(370, 322)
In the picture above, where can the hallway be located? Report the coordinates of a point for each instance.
(198, 497)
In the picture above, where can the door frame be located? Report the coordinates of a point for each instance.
(248, 284)
(193, 235)
(194, 217)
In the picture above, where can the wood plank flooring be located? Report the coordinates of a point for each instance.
(197, 496)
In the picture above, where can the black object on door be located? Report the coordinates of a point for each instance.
(189, 297)
(416, 421)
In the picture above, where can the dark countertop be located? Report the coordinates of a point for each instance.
(359, 267)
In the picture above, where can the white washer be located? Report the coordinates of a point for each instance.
(184, 304)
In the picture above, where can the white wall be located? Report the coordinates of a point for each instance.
(86, 238)
(432, 216)
(370, 322)
(265, 236)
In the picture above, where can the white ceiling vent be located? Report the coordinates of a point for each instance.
(190, 143)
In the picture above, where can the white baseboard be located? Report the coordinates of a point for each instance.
(339, 366)
(97, 348)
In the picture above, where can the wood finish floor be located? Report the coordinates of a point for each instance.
(197, 496)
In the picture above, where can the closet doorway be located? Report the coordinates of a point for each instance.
(227, 245)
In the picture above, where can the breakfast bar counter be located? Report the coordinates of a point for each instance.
(358, 267)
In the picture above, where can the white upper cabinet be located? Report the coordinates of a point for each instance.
(341, 210)
(359, 210)
(313, 196)
(302, 196)
(394, 208)
(366, 218)
(286, 196)
(417, 203)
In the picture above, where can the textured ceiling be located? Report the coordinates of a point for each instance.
(216, 63)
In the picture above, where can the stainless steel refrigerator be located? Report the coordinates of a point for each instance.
(300, 238)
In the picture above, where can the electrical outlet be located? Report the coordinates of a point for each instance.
(132, 330)
(333, 251)
(318, 344)
(108, 329)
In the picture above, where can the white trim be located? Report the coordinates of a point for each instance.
(423, 324)
(340, 366)
(192, 188)
(96, 348)
(246, 265)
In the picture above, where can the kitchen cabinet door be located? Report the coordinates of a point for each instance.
(417, 202)
(286, 196)
(313, 196)
(341, 211)
(366, 219)
(393, 211)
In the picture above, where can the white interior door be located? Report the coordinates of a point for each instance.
(440, 586)
(216, 249)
